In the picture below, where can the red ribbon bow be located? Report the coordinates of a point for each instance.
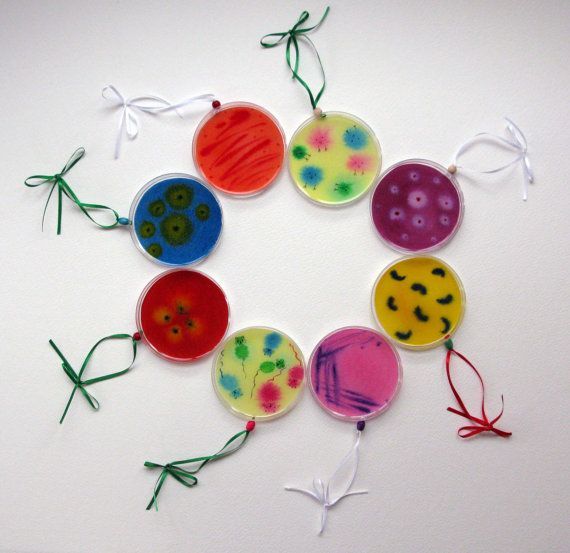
(482, 424)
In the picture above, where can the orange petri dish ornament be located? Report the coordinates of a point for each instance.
(239, 148)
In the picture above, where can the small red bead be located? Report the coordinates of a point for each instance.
(137, 336)
(250, 426)
(216, 104)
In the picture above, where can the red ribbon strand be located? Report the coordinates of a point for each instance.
(482, 424)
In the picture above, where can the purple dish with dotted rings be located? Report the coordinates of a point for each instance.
(417, 206)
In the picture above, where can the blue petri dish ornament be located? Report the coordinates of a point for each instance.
(176, 220)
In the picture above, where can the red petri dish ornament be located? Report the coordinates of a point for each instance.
(239, 148)
(182, 315)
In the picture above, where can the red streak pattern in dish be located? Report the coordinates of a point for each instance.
(239, 149)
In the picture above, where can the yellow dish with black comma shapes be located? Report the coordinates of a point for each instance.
(418, 301)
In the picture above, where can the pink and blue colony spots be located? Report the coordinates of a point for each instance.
(416, 207)
(355, 373)
(178, 221)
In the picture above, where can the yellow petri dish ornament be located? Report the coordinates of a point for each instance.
(334, 158)
(259, 373)
(418, 301)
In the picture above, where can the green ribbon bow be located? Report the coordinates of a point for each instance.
(292, 35)
(78, 383)
(186, 477)
(58, 181)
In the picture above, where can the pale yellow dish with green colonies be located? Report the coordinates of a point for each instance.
(259, 373)
(334, 159)
(418, 301)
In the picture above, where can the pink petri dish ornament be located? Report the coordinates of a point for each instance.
(354, 374)
(417, 206)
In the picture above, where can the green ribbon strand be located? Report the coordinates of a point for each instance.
(186, 477)
(76, 378)
(293, 35)
(58, 181)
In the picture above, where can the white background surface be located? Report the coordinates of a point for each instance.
(425, 76)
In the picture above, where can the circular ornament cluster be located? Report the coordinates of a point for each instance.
(176, 220)
(417, 206)
(183, 314)
(334, 159)
(419, 301)
(259, 373)
(239, 148)
(355, 373)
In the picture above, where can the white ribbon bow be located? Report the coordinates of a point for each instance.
(515, 140)
(129, 122)
(322, 493)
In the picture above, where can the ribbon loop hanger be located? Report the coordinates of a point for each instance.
(185, 476)
(321, 492)
(129, 122)
(481, 424)
(76, 377)
(293, 35)
(57, 181)
(515, 140)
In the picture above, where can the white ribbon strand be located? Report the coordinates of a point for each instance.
(515, 140)
(129, 122)
(322, 493)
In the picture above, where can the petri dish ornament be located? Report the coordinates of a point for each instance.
(239, 148)
(176, 220)
(354, 374)
(259, 373)
(417, 206)
(182, 314)
(419, 302)
(334, 158)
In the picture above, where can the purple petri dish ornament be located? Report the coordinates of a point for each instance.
(417, 206)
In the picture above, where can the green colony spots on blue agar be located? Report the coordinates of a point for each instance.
(177, 220)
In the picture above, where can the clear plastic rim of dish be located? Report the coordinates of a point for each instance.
(356, 418)
(372, 180)
(137, 199)
(232, 105)
(230, 407)
(446, 174)
(139, 309)
(439, 341)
